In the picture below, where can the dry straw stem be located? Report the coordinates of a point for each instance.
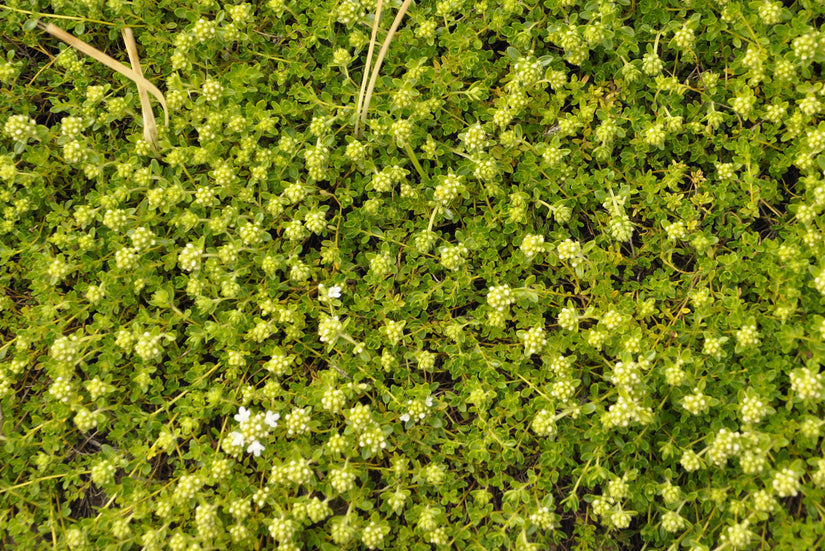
(384, 47)
(361, 115)
(370, 51)
(150, 131)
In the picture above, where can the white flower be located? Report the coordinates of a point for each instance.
(272, 419)
(242, 416)
(237, 439)
(405, 417)
(255, 448)
(429, 401)
(325, 294)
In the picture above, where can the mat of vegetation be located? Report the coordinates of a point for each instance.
(561, 289)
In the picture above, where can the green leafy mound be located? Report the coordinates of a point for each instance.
(563, 292)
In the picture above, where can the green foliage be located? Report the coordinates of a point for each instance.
(566, 289)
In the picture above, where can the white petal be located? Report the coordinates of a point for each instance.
(237, 439)
(255, 448)
(272, 419)
(243, 415)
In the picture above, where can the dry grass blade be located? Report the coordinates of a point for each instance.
(136, 75)
(364, 79)
(384, 47)
(150, 129)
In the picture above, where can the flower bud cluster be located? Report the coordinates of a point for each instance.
(297, 422)
(626, 374)
(786, 483)
(316, 161)
(691, 461)
(534, 340)
(747, 336)
(86, 420)
(726, 444)
(500, 297)
(381, 264)
(425, 240)
(401, 131)
(20, 128)
(425, 359)
(393, 331)
(806, 384)
(372, 536)
(696, 403)
(333, 400)
(753, 409)
(611, 512)
(713, 347)
(544, 423)
(329, 329)
(475, 138)
(66, 349)
(673, 522)
(738, 536)
(532, 244)
(148, 347)
(568, 319)
(103, 472)
(627, 410)
(416, 410)
(58, 270)
(570, 250)
(612, 320)
(684, 38)
(349, 11)
(651, 64)
(485, 169)
(449, 188)
(453, 257)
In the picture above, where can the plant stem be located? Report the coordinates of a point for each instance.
(415, 162)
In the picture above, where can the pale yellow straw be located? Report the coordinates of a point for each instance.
(150, 131)
(384, 47)
(364, 79)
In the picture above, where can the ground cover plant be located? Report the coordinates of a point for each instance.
(553, 280)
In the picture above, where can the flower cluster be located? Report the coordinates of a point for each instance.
(251, 430)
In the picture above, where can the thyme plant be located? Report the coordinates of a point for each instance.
(563, 288)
